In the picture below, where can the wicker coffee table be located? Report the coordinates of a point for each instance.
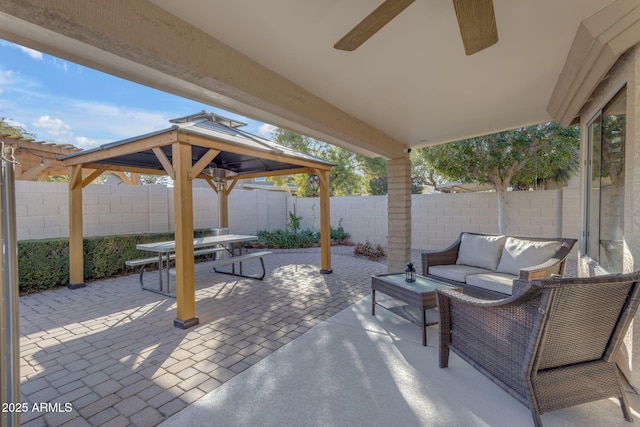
(414, 301)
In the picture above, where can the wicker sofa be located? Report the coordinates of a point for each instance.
(493, 266)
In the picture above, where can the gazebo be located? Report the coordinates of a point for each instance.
(194, 147)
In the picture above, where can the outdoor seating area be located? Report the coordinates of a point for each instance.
(493, 266)
(227, 250)
(299, 343)
(551, 346)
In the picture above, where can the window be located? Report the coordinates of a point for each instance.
(605, 185)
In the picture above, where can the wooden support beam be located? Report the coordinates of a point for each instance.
(275, 173)
(93, 175)
(76, 258)
(211, 183)
(202, 163)
(183, 225)
(224, 205)
(138, 146)
(325, 222)
(166, 164)
(234, 181)
(34, 171)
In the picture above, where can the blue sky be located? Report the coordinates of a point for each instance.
(66, 103)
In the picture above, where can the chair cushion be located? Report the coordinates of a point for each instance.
(455, 272)
(480, 251)
(519, 253)
(499, 282)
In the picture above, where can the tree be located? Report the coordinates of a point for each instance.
(374, 174)
(17, 131)
(521, 156)
(344, 177)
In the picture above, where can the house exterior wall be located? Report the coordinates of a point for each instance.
(626, 71)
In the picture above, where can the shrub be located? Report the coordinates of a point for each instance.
(369, 250)
(286, 239)
(289, 239)
(44, 264)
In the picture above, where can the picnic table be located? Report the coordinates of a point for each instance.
(227, 250)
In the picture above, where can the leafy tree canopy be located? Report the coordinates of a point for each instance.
(18, 131)
(345, 179)
(522, 156)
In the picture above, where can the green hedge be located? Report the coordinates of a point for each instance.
(44, 264)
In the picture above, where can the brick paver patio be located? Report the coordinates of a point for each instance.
(111, 351)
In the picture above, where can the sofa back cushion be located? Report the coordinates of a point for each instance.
(520, 253)
(480, 251)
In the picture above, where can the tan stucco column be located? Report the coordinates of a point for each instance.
(76, 256)
(183, 223)
(399, 214)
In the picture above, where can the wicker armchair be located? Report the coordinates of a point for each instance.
(552, 345)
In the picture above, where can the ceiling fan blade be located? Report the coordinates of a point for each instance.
(477, 23)
(371, 24)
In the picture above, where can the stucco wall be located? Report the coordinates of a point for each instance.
(625, 72)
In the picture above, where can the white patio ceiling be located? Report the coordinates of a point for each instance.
(412, 80)
(411, 84)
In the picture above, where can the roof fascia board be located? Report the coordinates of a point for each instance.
(600, 40)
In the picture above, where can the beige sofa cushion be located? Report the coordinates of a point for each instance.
(480, 251)
(458, 273)
(499, 282)
(520, 253)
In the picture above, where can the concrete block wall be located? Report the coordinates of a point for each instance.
(437, 219)
(42, 209)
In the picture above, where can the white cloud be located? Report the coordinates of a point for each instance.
(31, 52)
(85, 143)
(59, 130)
(6, 76)
(266, 130)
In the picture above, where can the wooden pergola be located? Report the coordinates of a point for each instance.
(37, 160)
(184, 152)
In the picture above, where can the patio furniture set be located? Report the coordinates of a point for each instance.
(227, 250)
(548, 341)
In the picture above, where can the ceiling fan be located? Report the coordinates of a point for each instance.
(476, 20)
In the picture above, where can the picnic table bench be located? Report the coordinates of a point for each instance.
(221, 246)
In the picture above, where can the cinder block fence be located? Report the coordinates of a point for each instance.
(437, 219)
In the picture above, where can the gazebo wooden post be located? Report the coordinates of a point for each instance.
(183, 224)
(76, 257)
(224, 204)
(325, 222)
